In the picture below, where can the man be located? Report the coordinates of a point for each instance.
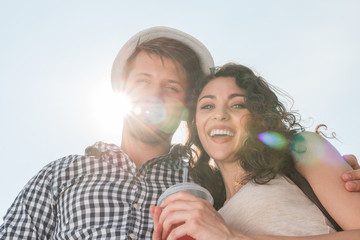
(106, 194)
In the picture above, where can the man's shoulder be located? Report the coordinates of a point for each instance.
(80, 162)
(60, 166)
(99, 147)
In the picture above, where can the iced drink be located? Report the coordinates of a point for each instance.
(189, 187)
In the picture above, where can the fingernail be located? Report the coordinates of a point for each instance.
(347, 177)
(351, 185)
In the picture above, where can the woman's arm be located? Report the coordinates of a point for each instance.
(322, 165)
(193, 217)
(201, 221)
(345, 235)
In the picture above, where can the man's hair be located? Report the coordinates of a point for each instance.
(173, 50)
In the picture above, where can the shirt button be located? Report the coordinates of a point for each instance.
(136, 206)
(132, 236)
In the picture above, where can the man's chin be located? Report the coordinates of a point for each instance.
(146, 133)
(153, 137)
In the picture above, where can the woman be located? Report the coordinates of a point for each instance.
(236, 112)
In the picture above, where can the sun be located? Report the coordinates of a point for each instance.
(120, 103)
(107, 110)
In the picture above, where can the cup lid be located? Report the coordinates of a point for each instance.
(189, 187)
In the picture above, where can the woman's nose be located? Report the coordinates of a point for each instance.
(221, 114)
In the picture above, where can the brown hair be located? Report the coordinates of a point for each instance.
(268, 114)
(173, 50)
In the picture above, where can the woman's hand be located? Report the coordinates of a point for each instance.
(193, 216)
(155, 212)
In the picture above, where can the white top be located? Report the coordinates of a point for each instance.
(276, 208)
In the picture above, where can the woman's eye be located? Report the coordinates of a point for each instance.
(207, 106)
(238, 106)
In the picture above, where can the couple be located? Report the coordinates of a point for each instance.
(234, 111)
(107, 193)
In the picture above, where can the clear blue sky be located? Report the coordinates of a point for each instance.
(56, 59)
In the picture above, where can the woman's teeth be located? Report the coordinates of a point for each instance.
(221, 132)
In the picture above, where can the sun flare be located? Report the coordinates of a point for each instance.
(121, 103)
(108, 109)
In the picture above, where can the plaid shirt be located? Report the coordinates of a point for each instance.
(91, 197)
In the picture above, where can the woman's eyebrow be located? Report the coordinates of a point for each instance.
(230, 96)
(236, 95)
(207, 96)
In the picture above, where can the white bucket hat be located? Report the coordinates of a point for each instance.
(206, 60)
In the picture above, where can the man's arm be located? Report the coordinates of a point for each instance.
(352, 178)
(31, 216)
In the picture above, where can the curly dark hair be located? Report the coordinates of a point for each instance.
(261, 162)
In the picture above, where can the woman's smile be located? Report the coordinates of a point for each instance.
(221, 118)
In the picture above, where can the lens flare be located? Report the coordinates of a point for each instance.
(165, 114)
(151, 110)
(272, 139)
(311, 149)
(122, 102)
(106, 111)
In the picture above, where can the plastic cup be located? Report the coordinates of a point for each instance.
(189, 187)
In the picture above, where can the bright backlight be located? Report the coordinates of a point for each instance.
(121, 104)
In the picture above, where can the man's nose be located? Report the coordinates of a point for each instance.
(155, 90)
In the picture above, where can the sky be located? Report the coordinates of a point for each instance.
(56, 58)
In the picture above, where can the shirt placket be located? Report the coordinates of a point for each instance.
(136, 200)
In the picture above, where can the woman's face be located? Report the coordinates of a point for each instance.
(221, 118)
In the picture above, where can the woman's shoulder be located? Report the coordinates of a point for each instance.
(310, 148)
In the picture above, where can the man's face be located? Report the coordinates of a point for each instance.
(157, 88)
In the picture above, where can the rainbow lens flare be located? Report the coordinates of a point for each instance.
(312, 149)
(165, 114)
(273, 139)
